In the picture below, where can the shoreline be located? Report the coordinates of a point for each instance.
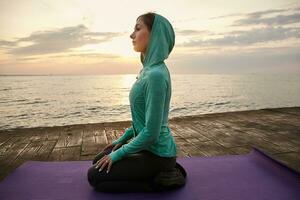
(129, 121)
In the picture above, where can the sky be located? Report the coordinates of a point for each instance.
(92, 37)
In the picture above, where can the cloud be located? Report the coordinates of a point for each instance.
(274, 29)
(6, 44)
(260, 60)
(265, 12)
(259, 17)
(57, 41)
(184, 20)
(225, 16)
(190, 32)
(90, 55)
(255, 19)
(101, 56)
(251, 15)
(250, 37)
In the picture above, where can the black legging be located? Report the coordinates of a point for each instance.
(130, 174)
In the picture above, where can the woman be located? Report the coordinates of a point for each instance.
(121, 166)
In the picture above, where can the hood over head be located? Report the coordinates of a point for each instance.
(161, 42)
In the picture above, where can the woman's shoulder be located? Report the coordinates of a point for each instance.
(157, 72)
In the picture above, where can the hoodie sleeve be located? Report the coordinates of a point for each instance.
(128, 134)
(155, 94)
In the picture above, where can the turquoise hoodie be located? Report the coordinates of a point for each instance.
(150, 99)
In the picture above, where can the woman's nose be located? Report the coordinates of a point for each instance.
(131, 35)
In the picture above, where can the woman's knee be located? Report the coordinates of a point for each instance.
(95, 176)
(92, 176)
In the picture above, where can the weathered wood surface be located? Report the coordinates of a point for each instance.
(275, 131)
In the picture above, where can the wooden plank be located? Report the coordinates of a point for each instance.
(90, 150)
(5, 168)
(278, 116)
(50, 134)
(45, 150)
(261, 138)
(264, 145)
(191, 130)
(30, 152)
(69, 138)
(239, 127)
(241, 150)
(93, 142)
(185, 148)
(4, 138)
(284, 144)
(8, 145)
(211, 148)
(232, 141)
(180, 140)
(187, 133)
(110, 134)
(11, 149)
(269, 121)
(291, 110)
(65, 153)
(293, 138)
(181, 153)
(290, 159)
(191, 150)
(211, 129)
(87, 157)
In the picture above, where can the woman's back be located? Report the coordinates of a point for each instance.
(150, 101)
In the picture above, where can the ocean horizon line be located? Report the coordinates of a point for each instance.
(252, 73)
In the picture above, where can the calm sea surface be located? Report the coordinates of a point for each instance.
(33, 101)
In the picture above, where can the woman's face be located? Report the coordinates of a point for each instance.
(140, 36)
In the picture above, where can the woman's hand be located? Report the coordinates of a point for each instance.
(107, 147)
(105, 160)
(115, 147)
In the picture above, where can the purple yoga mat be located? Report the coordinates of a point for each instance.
(251, 176)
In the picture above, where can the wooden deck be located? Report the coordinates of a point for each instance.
(275, 131)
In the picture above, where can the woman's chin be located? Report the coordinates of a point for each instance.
(136, 50)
